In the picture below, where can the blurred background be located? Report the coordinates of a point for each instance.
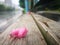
(10, 10)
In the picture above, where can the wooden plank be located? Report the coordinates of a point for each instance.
(49, 12)
(55, 27)
(48, 34)
(34, 36)
(51, 24)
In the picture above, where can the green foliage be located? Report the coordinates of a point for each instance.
(2, 7)
(22, 3)
(5, 8)
(53, 5)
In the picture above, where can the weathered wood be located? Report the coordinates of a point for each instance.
(34, 36)
(48, 34)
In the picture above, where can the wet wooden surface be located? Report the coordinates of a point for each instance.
(48, 25)
(34, 36)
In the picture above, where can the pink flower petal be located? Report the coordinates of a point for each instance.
(22, 32)
(19, 33)
(14, 33)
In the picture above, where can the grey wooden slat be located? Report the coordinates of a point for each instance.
(34, 36)
(50, 37)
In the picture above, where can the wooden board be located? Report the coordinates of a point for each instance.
(49, 35)
(34, 36)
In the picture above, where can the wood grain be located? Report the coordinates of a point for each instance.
(34, 36)
(49, 35)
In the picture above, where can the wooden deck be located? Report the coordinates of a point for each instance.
(49, 28)
(34, 36)
(41, 31)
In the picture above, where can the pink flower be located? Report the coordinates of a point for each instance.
(19, 33)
